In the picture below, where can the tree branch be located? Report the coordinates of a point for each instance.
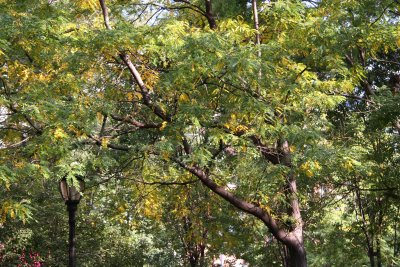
(105, 14)
(209, 15)
(143, 89)
(103, 125)
(16, 145)
(192, 6)
(136, 75)
(136, 123)
(165, 183)
(28, 119)
(116, 147)
(239, 203)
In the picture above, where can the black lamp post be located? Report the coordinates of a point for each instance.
(71, 196)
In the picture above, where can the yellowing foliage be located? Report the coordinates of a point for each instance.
(235, 124)
(163, 125)
(184, 98)
(88, 4)
(310, 167)
(151, 208)
(59, 133)
(104, 142)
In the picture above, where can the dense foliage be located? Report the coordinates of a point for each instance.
(267, 130)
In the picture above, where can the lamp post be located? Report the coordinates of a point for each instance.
(71, 197)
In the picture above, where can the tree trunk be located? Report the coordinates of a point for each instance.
(378, 252)
(255, 20)
(295, 251)
(292, 238)
(209, 15)
(371, 257)
(193, 261)
(296, 256)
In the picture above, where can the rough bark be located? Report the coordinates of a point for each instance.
(209, 15)
(105, 14)
(296, 251)
(256, 24)
(296, 256)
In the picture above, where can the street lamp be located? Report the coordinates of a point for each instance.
(71, 196)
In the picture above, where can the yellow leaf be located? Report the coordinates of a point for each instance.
(309, 173)
(267, 208)
(19, 164)
(241, 129)
(12, 214)
(184, 97)
(305, 166)
(138, 95)
(42, 78)
(99, 117)
(317, 166)
(74, 130)
(104, 142)
(121, 209)
(130, 96)
(163, 125)
(5, 208)
(348, 165)
(165, 155)
(88, 4)
(59, 133)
